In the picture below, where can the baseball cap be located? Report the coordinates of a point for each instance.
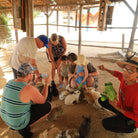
(44, 39)
(26, 68)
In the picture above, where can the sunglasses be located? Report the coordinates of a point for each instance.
(128, 70)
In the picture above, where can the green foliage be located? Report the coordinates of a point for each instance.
(109, 92)
(4, 30)
(36, 13)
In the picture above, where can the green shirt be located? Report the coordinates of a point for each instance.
(14, 112)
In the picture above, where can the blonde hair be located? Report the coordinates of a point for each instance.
(54, 37)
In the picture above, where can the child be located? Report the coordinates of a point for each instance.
(64, 70)
(92, 80)
(72, 57)
(80, 68)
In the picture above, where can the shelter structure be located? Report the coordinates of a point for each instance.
(23, 13)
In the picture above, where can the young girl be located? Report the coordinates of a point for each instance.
(80, 68)
(64, 71)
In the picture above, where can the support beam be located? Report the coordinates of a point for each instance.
(57, 19)
(68, 19)
(129, 7)
(29, 18)
(16, 35)
(88, 16)
(76, 20)
(47, 21)
(80, 19)
(131, 42)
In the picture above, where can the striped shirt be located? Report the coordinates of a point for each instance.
(14, 112)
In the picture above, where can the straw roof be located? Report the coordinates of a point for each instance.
(6, 6)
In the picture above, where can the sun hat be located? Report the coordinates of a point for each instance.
(132, 61)
(26, 68)
(44, 39)
(81, 60)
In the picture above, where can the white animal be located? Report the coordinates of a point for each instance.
(63, 94)
(72, 98)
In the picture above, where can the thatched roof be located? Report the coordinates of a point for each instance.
(6, 6)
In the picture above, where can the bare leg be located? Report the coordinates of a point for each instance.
(90, 81)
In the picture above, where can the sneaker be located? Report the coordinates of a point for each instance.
(61, 86)
(128, 135)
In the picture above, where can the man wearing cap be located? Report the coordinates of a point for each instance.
(25, 51)
(126, 108)
(17, 110)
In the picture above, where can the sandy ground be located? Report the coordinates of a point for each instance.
(71, 117)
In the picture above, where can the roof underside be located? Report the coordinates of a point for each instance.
(6, 6)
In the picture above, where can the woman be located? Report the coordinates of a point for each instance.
(57, 48)
(126, 108)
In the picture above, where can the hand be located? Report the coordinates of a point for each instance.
(81, 74)
(101, 67)
(47, 79)
(38, 78)
(113, 103)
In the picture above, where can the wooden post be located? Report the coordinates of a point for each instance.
(57, 19)
(80, 19)
(68, 20)
(29, 18)
(123, 40)
(26, 18)
(88, 16)
(131, 42)
(47, 22)
(31, 21)
(16, 35)
(76, 20)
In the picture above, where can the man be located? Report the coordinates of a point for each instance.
(25, 51)
(126, 108)
(17, 110)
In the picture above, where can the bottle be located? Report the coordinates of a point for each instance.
(43, 75)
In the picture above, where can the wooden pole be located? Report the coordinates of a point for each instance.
(16, 35)
(31, 21)
(88, 16)
(131, 42)
(68, 19)
(123, 40)
(26, 18)
(76, 20)
(29, 18)
(80, 19)
(57, 19)
(47, 22)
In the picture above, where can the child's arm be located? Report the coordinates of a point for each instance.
(101, 67)
(86, 74)
(94, 74)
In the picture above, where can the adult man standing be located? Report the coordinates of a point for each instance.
(25, 51)
(17, 110)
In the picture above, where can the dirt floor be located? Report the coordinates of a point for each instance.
(71, 116)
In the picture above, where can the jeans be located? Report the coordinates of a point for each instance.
(117, 123)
